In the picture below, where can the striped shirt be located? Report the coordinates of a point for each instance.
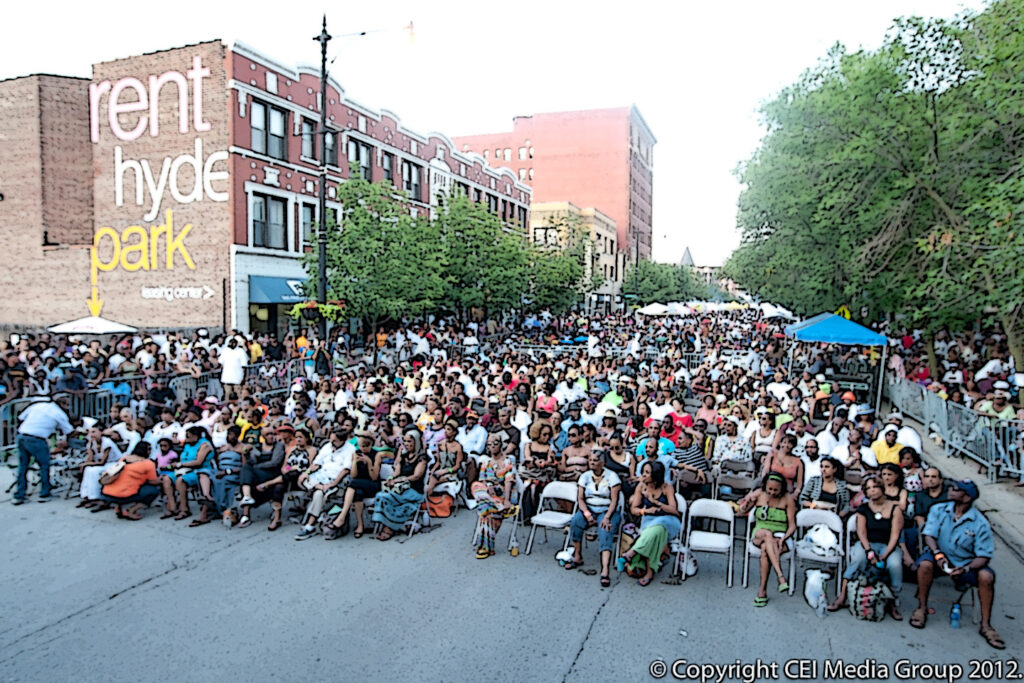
(691, 456)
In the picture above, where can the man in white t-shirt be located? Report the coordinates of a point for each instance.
(233, 359)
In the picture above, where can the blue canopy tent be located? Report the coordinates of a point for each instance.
(830, 328)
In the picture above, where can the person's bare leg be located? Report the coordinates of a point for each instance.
(182, 489)
(346, 505)
(169, 501)
(357, 508)
(986, 596)
(431, 483)
(766, 568)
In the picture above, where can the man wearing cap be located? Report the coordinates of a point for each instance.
(37, 423)
(471, 435)
(574, 410)
(999, 406)
(907, 436)
(958, 542)
(886, 448)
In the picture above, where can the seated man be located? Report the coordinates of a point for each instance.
(959, 543)
(886, 448)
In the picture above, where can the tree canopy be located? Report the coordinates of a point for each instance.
(892, 179)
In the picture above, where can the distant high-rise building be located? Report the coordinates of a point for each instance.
(601, 158)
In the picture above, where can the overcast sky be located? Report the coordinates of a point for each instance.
(697, 73)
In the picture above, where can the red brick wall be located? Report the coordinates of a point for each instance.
(66, 160)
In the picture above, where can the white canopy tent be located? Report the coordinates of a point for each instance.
(91, 325)
(654, 309)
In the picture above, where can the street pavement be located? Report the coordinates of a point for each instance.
(88, 597)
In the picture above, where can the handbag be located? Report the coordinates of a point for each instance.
(110, 475)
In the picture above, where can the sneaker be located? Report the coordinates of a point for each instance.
(17, 501)
(45, 499)
(247, 500)
(307, 532)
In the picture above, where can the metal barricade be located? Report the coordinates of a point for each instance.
(1008, 442)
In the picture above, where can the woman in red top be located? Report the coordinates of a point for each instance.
(137, 483)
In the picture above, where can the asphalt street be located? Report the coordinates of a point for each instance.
(88, 597)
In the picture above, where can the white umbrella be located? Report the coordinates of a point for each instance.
(91, 325)
(654, 309)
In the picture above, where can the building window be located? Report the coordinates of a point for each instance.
(269, 222)
(359, 153)
(411, 180)
(332, 148)
(268, 127)
(522, 174)
(387, 163)
(492, 204)
(530, 174)
(308, 217)
(487, 153)
(308, 139)
(413, 147)
(522, 154)
(476, 195)
(497, 153)
(508, 154)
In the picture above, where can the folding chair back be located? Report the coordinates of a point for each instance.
(711, 541)
(549, 518)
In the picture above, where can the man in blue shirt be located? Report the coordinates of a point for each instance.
(958, 542)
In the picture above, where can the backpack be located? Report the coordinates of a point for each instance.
(869, 601)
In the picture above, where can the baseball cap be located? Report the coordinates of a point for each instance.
(968, 487)
(849, 395)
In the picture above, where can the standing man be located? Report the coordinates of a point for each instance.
(958, 542)
(38, 422)
(232, 361)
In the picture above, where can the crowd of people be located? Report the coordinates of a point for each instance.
(424, 416)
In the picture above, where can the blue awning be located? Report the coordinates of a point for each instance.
(834, 329)
(264, 289)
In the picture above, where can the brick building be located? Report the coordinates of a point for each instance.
(179, 188)
(601, 158)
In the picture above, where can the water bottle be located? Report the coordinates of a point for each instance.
(954, 616)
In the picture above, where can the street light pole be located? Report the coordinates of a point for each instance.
(321, 283)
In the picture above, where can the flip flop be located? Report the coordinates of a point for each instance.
(644, 582)
(169, 514)
(182, 515)
(783, 587)
(992, 637)
(760, 602)
(919, 618)
(199, 522)
(131, 518)
(274, 526)
(100, 508)
(573, 564)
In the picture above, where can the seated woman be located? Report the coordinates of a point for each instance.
(619, 460)
(492, 492)
(575, 456)
(195, 468)
(365, 483)
(402, 495)
(774, 524)
(448, 459)
(609, 425)
(539, 464)
(879, 523)
(827, 490)
(597, 501)
(100, 453)
(136, 485)
(782, 461)
(654, 502)
(298, 453)
(707, 410)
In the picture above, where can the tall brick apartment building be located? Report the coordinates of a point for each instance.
(179, 188)
(600, 158)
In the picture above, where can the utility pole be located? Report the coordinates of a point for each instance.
(321, 284)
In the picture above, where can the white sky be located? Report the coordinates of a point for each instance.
(697, 73)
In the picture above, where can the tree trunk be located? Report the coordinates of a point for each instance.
(933, 362)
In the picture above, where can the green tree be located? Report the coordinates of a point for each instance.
(383, 263)
(486, 267)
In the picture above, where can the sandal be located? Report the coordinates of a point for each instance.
(85, 502)
(992, 637)
(100, 508)
(244, 522)
(274, 525)
(605, 581)
(199, 521)
(644, 581)
(895, 613)
(760, 602)
(358, 534)
(168, 514)
(572, 564)
(131, 518)
(919, 618)
(184, 514)
(783, 587)
(483, 554)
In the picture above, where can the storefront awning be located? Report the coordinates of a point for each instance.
(264, 289)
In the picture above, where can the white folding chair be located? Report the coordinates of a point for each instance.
(679, 540)
(553, 519)
(752, 550)
(711, 541)
(805, 519)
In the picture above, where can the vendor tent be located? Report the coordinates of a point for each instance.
(91, 325)
(654, 309)
(830, 328)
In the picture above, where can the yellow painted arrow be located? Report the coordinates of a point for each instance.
(95, 302)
